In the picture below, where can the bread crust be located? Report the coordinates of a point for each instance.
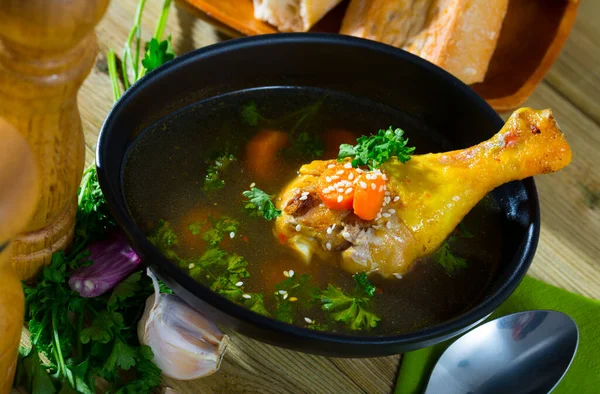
(457, 35)
(292, 15)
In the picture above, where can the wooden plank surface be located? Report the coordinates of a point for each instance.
(570, 239)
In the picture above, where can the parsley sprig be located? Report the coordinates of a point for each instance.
(444, 255)
(259, 204)
(374, 150)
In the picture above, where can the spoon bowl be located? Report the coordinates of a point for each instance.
(526, 352)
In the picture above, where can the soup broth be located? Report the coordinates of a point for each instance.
(164, 180)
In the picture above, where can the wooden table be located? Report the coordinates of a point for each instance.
(568, 254)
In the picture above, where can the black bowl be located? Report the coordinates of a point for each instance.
(359, 67)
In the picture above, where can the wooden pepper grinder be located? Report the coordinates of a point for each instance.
(19, 193)
(47, 48)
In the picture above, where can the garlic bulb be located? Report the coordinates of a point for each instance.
(185, 343)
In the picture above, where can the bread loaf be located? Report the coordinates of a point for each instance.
(292, 15)
(457, 35)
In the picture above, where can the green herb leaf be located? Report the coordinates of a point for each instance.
(376, 149)
(364, 284)
(463, 231)
(260, 204)
(158, 54)
(34, 375)
(250, 114)
(220, 228)
(213, 179)
(164, 238)
(126, 289)
(122, 356)
(350, 310)
(256, 303)
(449, 260)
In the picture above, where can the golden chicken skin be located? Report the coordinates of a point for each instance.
(384, 219)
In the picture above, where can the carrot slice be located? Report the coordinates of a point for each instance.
(261, 153)
(336, 187)
(369, 195)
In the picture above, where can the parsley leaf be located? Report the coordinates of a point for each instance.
(126, 289)
(363, 282)
(164, 238)
(350, 310)
(250, 114)
(260, 204)
(93, 219)
(446, 258)
(212, 180)
(256, 303)
(220, 227)
(449, 260)
(157, 54)
(298, 288)
(122, 356)
(376, 149)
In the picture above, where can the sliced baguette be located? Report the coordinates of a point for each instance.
(292, 15)
(457, 35)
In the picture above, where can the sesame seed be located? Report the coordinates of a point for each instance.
(340, 198)
(348, 165)
(392, 210)
(340, 172)
(359, 171)
(192, 265)
(398, 276)
(349, 190)
(252, 184)
(282, 292)
(309, 321)
(239, 284)
(386, 215)
(384, 177)
(381, 188)
(378, 216)
(396, 198)
(388, 225)
(328, 245)
(368, 177)
(331, 166)
(305, 193)
(246, 296)
(363, 185)
(373, 186)
(231, 234)
(340, 190)
(302, 198)
(293, 299)
(285, 296)
(333, 226)
(286, 274)
(298, 227)
(329, 230)
(351, 176)
(328, 178)
(291, 273)
(334, 177)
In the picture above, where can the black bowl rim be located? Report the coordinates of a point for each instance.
(167, 269)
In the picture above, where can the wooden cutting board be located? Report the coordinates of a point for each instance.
(567, 254)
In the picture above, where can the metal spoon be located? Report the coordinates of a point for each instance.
(526, 352)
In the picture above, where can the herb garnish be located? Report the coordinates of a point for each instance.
(260, 204)
(84, 338)
(157, 54)
(293, 294)
(374, 150)
(446, 258)
(214, 172)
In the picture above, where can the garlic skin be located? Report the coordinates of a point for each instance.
(186, 345)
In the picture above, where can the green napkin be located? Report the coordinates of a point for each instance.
(584, 375)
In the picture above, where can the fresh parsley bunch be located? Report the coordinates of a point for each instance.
(374, 150)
